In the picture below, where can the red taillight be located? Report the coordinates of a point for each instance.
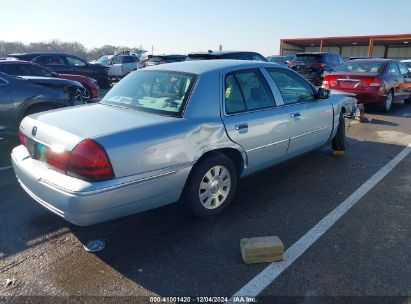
(371, 82)
(329, 81)
(22, 139)
(292, 63)
(90, 161)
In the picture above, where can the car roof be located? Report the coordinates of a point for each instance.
(204, 66)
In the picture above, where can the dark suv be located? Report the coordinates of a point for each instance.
(313, 66)
(68, 64)
(226, 55)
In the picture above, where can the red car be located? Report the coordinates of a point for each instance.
(25, 68)
(375, 81)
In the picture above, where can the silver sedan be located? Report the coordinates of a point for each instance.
(177, 132)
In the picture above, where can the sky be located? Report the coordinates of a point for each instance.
(182, 26)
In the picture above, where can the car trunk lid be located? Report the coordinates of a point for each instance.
(67, 127)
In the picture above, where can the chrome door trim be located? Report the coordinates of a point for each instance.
(267, 146)
(308, 133)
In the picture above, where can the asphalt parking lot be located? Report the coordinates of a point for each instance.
(164, 252)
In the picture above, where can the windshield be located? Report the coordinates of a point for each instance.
(161, 92)
(360, 67)
(104, 60)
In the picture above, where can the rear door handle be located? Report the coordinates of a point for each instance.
(295, 115)
(242, 128)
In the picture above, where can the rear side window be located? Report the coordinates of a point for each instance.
(403, 69)
(258, 57)
(293, 88)
(247, 90)
(129, 59)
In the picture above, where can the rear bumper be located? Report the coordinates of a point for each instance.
(370, 98)
(83, 203)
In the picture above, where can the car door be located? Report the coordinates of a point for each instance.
(406, 75)
(116, 66)
(77, 66)
(6, 105)
(252, 119)
(311, 119)
(129, 64)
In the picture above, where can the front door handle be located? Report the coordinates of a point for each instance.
(295, 115)
(242, 128)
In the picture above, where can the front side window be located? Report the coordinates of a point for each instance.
(292, 88)
(393, 69)
(50, 60)
(32, 70)
(73, 61)
(117, 60)
(247, 90)
(159, 92)
(11, 69)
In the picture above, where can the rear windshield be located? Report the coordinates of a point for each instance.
(359, 67)
(160, 92)
(156, 59)
(308, 57)
(278, 59)
(202, 57)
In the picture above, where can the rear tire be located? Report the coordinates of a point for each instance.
(386, 105)
(211, 186)
(339, 142)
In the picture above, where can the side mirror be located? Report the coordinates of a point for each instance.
(323, 93)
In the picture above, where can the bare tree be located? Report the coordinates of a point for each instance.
(74, 48)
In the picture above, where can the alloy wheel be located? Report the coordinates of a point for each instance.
(215, 187)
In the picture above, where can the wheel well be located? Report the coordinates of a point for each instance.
(232, 154)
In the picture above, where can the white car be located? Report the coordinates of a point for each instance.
(121, 65)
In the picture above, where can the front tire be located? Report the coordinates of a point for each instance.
(339, 142)
(211, 186)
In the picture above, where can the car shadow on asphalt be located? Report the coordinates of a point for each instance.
(169, 253)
